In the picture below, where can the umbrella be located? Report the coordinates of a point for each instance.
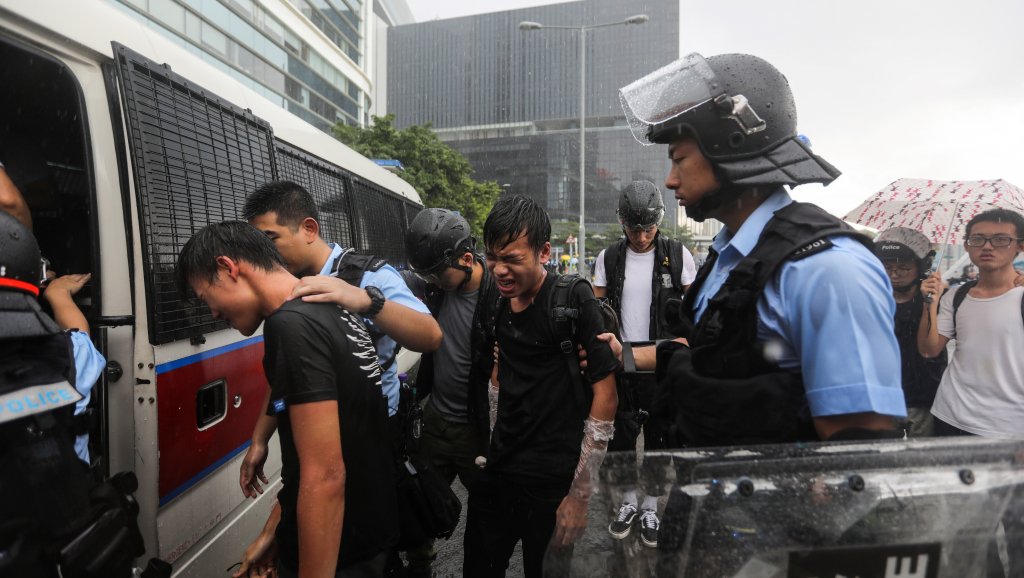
(939, 209)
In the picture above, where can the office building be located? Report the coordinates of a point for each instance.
(508, 99)
(316, 58)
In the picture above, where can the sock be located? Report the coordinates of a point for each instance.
(629, 498)
(650, 503)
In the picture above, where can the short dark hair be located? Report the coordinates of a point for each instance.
(289, 200)
(235, 239)
(511, 217)
(998, 216)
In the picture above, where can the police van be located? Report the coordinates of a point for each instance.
(128, 144)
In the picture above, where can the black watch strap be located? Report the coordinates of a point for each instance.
(376, 301)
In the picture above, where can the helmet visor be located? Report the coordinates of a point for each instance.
(641, 219)
(433, 274)
(667, 93)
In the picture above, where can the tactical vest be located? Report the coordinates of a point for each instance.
(54, 520)
(721, 390)
(665, 280)
(45, 485)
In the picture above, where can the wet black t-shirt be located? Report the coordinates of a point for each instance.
(318, 352)
(921, 376)
(539, 429)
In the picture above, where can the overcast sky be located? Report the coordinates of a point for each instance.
(884, 88)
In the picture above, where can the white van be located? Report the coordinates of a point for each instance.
(128, 144)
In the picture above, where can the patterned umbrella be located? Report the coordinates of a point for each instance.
(939, 209)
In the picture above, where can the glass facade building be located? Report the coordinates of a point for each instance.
(509, 99)
(308, 56)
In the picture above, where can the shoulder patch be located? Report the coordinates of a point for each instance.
(811, 248)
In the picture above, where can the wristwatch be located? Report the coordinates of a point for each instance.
(376, 301)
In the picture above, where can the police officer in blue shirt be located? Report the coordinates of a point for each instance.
(789, 323)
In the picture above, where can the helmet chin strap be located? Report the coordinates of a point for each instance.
(468, 274)
(726, 194)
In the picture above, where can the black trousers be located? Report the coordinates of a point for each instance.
(501, 514)
(636, 397)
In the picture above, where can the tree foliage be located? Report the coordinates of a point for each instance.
(441, 174)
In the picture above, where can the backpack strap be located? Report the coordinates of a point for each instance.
(564, 312)
(350, 267)
(960, 295)
(614, 261)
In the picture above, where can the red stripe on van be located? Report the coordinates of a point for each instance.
(184, 450)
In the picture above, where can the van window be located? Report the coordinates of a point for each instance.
(328, 185)
(196, 157)
(42, 144)
(44, 147)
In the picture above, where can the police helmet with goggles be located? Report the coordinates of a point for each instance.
(436, 240)
(740, 111)
(640, 206)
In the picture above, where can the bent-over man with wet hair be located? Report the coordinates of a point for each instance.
(337, 513)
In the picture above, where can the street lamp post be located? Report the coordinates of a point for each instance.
(582, 30)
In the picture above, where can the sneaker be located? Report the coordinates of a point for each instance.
(622, 524)
(649, 528)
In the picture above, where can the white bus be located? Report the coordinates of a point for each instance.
(129, 144)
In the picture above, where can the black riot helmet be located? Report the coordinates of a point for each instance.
(435, 240)
(641, 205)
(20, 272)
(740, 111)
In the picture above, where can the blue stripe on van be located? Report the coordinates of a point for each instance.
(205, 472)
(172, 365)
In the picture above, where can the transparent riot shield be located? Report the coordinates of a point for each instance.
(939, 508)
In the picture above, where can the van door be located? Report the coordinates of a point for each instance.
(195, 157)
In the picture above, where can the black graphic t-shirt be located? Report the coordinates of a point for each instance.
(319, 352)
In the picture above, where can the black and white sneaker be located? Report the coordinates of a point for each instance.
(649, 524)
(623, 523)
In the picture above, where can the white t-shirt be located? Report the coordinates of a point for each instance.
(635, 316)
(982, 390)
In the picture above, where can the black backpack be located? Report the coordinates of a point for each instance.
(564, 310)
(961, 294)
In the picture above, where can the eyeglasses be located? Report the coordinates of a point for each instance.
(998, 241)
(892, 268)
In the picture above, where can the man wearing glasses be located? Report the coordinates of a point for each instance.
(639, 274)
(907, 257)
(982, 390)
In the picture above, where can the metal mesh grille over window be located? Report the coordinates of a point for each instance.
(327, 184)
(380, 222)
(196, 159)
